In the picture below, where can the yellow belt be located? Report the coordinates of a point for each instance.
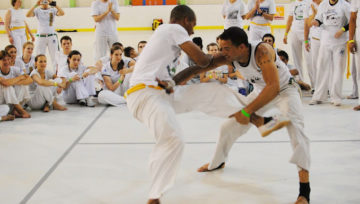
(22, 27)
(139, 87)
(315, 38)
(266, 24)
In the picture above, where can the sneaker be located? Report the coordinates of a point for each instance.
(352, 97)
(82, 102)
(277, 122)
(313, 102)
(90, 102)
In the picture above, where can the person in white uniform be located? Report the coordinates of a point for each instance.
(113, 76)
(312, 36)
(66, 48)
(4, 113)
(157, 108)
(105, 14)
(295, 22)
(13, 86)
(14, 61)
(234, 12)
(46, 34)
(261, 14)
(45, 87)
(27, 58)
(333, 16)
(274, 88)
(354, 41)
(16, 27)
(220, 74)
(80, 81)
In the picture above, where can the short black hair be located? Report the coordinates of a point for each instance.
(142, 42)
(181, 12)
(127, 51)
(3, 54)
(282, 53)
(268, 35)
(13, 2)
(210, 45)
(74, 52)
(236, 35)
(117, 44)
(198, 41)
(65, 37)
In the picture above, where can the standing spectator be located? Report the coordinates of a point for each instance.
(46, 34)
(233, 12)
(16, 27)
(105, 14)
(261, 13)
(334, 16)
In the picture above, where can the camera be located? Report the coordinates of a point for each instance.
(53, 3)
(44, 2)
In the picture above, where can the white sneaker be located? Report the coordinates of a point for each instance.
(90, 102)
(277, 122)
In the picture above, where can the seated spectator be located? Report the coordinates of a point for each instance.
(14, 61)
(219, 74)
(45, 87)
(13, 86)
(80, 81)
(4, 113)
(27, 59)
(130, 52)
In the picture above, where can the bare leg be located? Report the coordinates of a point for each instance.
(357, 108)
(21, 111)
(59, 107)
(46, 108)
(7, 118)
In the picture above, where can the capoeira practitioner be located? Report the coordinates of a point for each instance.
(274, 87)
(295, 22)
(62, 56)
(46, 34)
(312, 36)
(27, 59)
(105, 14)
(13, 86)
(4, 113)
(333, 16)
(151, 105)
(113, 75)
(355, 45)
(14, 61)
(16, 27)
(45, 87)
(261, 13)
(234, 12)
(80, 81)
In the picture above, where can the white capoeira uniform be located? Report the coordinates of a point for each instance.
(297, 44)
(233, 13)
(106, 29)
(18, 29)
(127, 60)
(287, 101)
(157, 110)
(46, 34)
(40, 95)
(77, 90)
(28, 67)
(4, 110)
(259, 26)
(314, 35)
(17, 94)
(332, 52)
(107, 96)
(355, 7)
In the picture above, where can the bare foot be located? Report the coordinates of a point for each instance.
(25, 115)
(357, 108)
(8, 118)
(20, 112)
(58, 106)
(153, 201)
(301, 200)
(46, 108)
(205, 167)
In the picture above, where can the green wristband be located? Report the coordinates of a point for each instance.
(306, 41)
(245, 113)
(120, 81)
(70, 80)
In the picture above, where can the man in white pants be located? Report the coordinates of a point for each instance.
(333, 16)
(261, 13)
(295, 22)
(105, 14)
(274, 87)
(151, 105)
(355, 45)
(312, 36)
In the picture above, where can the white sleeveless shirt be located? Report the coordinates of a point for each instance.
(17, 18)
(253, 73)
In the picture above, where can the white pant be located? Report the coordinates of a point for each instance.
(81, 89)
(297, 45)
(357, 62)
(42, 95)
(314, 51)
(256, 33)
(8, 95)
(103, 45)
(331, 68)
(113, 98)
(4, 110)
(19, 37)
(52, 44)
(290, 105)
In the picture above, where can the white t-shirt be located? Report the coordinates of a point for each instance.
(233, 13)
(48, 75)
(298, 10)
(268, 6)
(107, 26)
(46, 18)
(161, 50)
(14, 72)
(333, 17)
(29, 67)
(66, 72)
(17, 18)
(107, 70)
(20, 64)
(106, 59)
(314, 30)
(355, 7)
(219, 71)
